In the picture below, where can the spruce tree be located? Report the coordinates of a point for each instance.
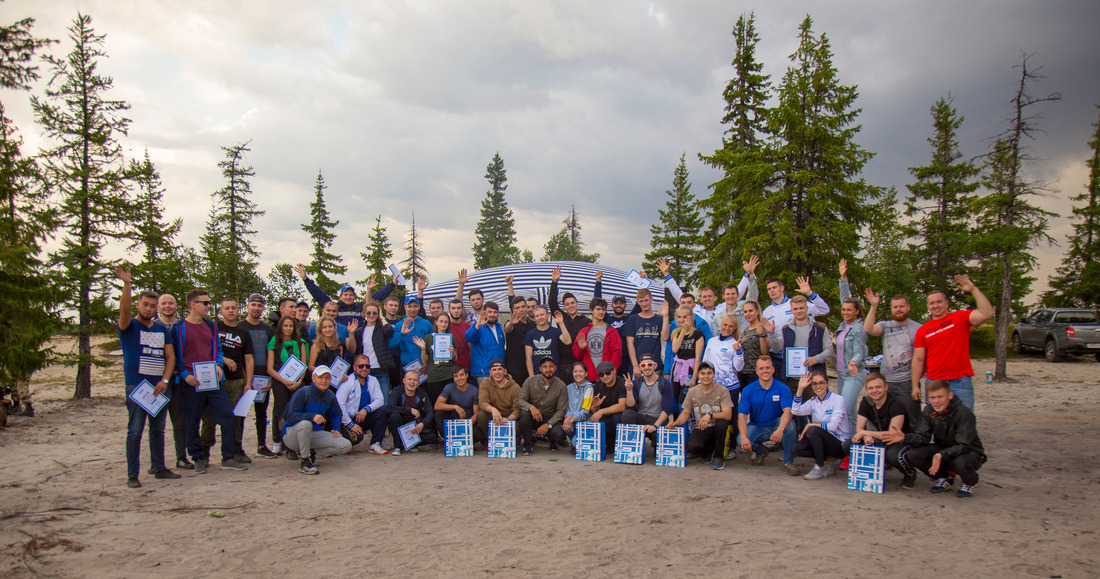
(566, 245)
(322, 261)
(1008, 224)
(745, 168)
(86, 170)
(496, 232)
(1077, 283)
(939, 208)
(281, 283)
(378, 252)
(161, 268)
(676, 233)
(414, 247)
(17, 48)
(227, 243)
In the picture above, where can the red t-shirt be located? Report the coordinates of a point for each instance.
(199, 346)
(946, 344)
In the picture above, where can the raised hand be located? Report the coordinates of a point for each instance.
(965, 284)
(872, 297)
(301, 271)
(662, 264)
(768, 325)
(418, 341)
(422, 281)
(804, 285)
(372, 282)
(508, 280)
(123, 273)
(750, 265)
(599, 275)
(556, 273)
(560, 319)
(354, 325)
(843, 267)
(462, 277)
(664, 309)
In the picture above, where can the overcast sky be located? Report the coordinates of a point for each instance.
(402, 104)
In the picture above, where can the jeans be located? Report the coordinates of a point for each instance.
(194, 402)
(964, 391)
(383, 377)
(527, 424)
(758, 433)
(849, 388)
(134, 429)
(819, 444)
(301, 438)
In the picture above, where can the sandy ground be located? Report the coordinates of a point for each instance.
(66, 511)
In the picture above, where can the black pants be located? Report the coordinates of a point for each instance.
(374, 423)
(966, 465)
(175, 415)
(818, 444)
(396, 421)
(261, 420)
(441, 415)
(527, 424)
(281, 396)
(708, 442)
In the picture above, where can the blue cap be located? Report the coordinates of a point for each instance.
(346, 287)
(411, 298)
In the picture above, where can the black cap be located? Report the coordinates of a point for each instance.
(545, 358)
(255, 299)
(618, 299)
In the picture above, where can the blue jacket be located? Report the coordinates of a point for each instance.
(484, 348)
(309, 401)
(855, 341)
(179, 333)
(410, 352)
(347, 312)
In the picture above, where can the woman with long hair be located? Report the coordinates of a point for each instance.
(283, 345)
(326, 346)
(755, 340)
(687, 348)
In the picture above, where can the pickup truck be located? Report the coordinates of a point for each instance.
(1057, 332)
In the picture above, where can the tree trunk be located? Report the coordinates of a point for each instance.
(84, 368)
(1004, 317)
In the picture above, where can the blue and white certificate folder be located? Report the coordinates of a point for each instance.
(502, 439)
(867, 468)
(145, 397)
(459, 440)
(630, 444)
(670, 446)
(591, 442)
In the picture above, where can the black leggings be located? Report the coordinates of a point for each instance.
(818, 444)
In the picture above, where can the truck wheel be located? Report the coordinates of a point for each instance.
(1017, 346)
(1050, 350)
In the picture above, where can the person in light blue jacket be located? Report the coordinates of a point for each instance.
(851, 348)
(486, 339)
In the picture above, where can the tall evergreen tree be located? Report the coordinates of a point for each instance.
(86, 170)
(227, 243)
(496, 232)
(17, 48)
(1077, 283)
(887, 259)
(281, 283)
(414, 246)
(745, 167)
(566, 245)
(676, 233)
(322, 261)
(161, 267)
(813, 213)
(378, 252)
(939, 208)
(1008, 224)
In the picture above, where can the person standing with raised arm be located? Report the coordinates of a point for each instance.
(572, 323)
(732, 292)
(477, 298)
(897, 348)
(851, 348)
(516, 328)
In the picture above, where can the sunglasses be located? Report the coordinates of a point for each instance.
(372, 313)
(648, 364)
(205, 303)
(362, 365)
(607, 373)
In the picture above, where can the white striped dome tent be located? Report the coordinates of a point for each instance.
(533, 280)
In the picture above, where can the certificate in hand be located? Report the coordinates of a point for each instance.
(408, 438)
(441, 347)
(260, 384)
(397, 273)
(292, 369)
(636, 279)
(241, 409)
(796, 360)
(145, 397)
(339, 368)
(207, 375)
(417, 366)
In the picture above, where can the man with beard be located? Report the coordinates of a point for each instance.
(486, 340)
(542, 403)
(517, 328)
(897, 348)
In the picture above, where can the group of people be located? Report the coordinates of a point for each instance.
(549, 367)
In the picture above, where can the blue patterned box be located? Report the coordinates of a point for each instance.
(670, 446)
(867, 468)
(502, 439)
(630, 444)
(591, 443)
(459, 439)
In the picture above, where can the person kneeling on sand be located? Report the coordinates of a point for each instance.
(542, 403)
(308, 411)
(764, 417)
(496, 398)
(364, 408)
(409, 404)
(823, 438)
(884, 420)
(946, 441)
(713, 409)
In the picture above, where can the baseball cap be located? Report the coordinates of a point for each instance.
(647, 358)
(346, 287)
(322, 369)
(496, 364)
(255, 299)
(303, 303)
(605, 366)
(618, 299)
(411, 298)
(545, 358)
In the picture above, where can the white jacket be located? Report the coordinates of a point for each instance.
(347, 396)
(830, 413)
(726, 360)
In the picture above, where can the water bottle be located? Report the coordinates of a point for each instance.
(988, 377)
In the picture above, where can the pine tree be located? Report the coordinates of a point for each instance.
(939, 208)
(496, 232)
(1008, 225)
(887, 258)
(85, 168)
(154, 237)
(17, 48)
(746, 169)
(414, 245)
(227, 243)
(281, 283)
(378, 252)
(1077, 283)
(566, 245)
(320, 227)
(676, 233)
(817, 204)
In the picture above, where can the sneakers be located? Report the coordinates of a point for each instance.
(265, 452)
(28, 411)
(941, 485)
(527, 450)
(553, 446)
(163, 474)
(232, 463)
(831, 466)
(290, 454)
(133, 482)
(817, 473)
(908, 481)
(277, 448)
(396, 451)
(718, 464)
(184, 464)
(791, 469)
(200, 466)
(376, 448)
(308, 467)
(965, 491)
(759, 458)
(413, 449)
(732, 454)
(242, 458)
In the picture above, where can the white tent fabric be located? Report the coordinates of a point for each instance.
(533, 279)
